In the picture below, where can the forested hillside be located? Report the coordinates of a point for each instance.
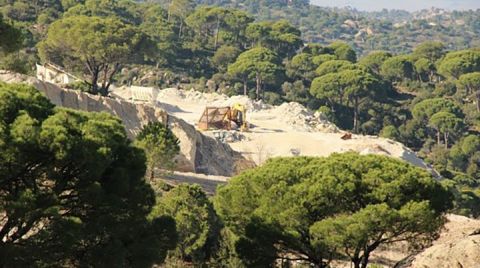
(428, 99)
(394, 30)
(73, 188)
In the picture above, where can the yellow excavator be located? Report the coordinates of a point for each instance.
(222, 118)
(238, 114)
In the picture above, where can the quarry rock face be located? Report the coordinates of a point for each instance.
(198, 153)
(457, 246)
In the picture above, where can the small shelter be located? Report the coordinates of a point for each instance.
(215, 118)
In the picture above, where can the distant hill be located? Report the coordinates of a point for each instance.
(397, 31)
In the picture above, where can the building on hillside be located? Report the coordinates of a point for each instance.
(147, 94)
(55, 74)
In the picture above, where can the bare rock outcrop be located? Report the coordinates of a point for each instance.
(458, 246)
(198, 153)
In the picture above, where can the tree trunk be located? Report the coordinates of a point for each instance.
(356, 262)
(365, 260)
(332, 105)
(245, 86)
(94, 81)
(438, 137)
(104, 80)
(420, 78)
(152, 174)
(355, 114)
(115, 69)
(180, 30)
(445, 137)
(217, 29)
(94, 71)
(259, 84)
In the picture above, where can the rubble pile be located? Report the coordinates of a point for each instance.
(228, 136)
(300, 118)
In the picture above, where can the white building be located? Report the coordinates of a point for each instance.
(55, 74)
(148, 94)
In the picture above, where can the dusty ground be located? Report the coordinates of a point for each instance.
(286, 130)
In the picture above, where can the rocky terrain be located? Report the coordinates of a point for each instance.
(458, 246)
(286, 130)
(198, 153)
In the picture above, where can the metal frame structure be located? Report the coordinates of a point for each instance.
(215, 118)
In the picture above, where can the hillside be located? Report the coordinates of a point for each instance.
(396, 31)
(427, 99)
(169, 133)
(285, 130)
(199, 153)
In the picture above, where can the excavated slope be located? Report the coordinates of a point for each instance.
(285, 130)
(458, 246)
(198, 153)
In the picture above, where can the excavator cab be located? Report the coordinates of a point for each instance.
(238, 115)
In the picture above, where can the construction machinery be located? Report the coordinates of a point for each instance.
(228, 118)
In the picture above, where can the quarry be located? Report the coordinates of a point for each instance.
(211, 157)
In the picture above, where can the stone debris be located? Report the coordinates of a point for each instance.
(299, 118)
(294, 115)
(228, 136)
(295, 151)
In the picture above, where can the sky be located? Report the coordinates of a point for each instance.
(410, 5)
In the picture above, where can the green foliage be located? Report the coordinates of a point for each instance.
(78, 85)
(344, 204)
(390, 132)
(343, 51)
(319, 59)
(464, 156)
(397, 69)
(72, 181)
(160, 146)
(456, 63)
(96, 44)
(11, 38)
(448, 124)
(196, 222)
(350, 87)
(280, 36)
(259, 64)
(160, 46)
(430, 50)
(173, 43)
(301, 67)
(296, 92)
(427, 108)
(224, 56)
(375, 60)
(470, 82)
(334, 66)
(15, 62)
(216, 26)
